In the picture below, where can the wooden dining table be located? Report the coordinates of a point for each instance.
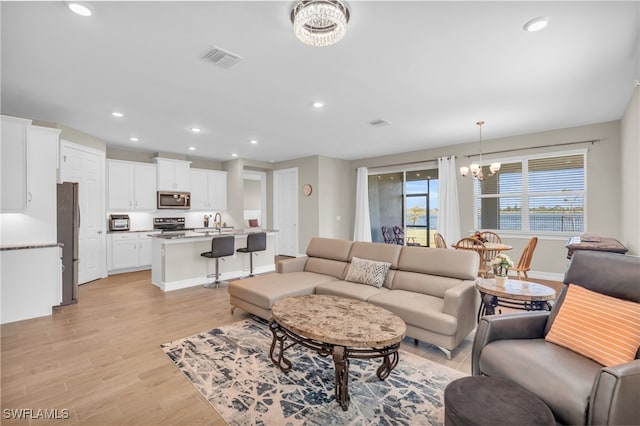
(482, 250)
(490, 247)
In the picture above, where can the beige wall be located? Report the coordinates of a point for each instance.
(308, 207)
(75, 136)
(603, 180)
(334, 198)
(630, 171)
(234, 215)
(252, 194)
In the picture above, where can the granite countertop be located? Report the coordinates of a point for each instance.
(131, 231)
(208, 233)
(26, 246)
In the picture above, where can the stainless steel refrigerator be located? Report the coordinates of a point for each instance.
(68, 228)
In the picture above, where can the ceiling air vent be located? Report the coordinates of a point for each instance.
(222, 58)
(379, 123)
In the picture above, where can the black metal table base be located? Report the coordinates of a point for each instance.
(340, 354)
(489, 303)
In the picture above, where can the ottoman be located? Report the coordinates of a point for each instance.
(481, 400)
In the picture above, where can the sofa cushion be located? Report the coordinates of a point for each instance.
(349, 289)
(329, 248)
(265, 290)
(369, 272)
(420, 310)
(334, 268)
(565, 387)
(461, 264)
(377, 251)
(432, 285)
(600, 327)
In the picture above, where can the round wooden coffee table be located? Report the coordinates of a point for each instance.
(340, 327)
(515, 294)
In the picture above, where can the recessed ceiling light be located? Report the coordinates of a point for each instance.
(318, 104)
(192, 148)
(195, 129)
(536, 24)
(133, 139)
(79, 8)
(253, 142)
(234, 155)
(117, 114)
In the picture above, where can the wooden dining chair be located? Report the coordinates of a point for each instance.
(491, 237)
(524, 264)
(439, 239)
(479, 247)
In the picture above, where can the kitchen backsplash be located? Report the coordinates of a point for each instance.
(144, 221)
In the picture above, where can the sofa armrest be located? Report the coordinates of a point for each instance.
(295, 264)
(614, 397)
(461, 299)
(519, 325)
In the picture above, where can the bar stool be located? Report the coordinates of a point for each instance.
(220, 247)
(255, 242)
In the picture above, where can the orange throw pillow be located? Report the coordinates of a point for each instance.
(600, 327)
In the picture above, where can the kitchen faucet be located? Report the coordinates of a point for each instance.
(217, 219)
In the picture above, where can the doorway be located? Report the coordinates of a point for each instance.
(255, 197)
(285, 210)
(86, 167)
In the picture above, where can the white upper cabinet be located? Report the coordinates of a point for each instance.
(132, 186)
(145, 187)
(208, 190)
(13, 153)
(173, 175)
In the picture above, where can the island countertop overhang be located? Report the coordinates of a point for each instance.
(207, 235)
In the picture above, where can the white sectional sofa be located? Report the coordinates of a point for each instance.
(431, 289)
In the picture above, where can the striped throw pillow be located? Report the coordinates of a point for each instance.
(368, 272)
(597, 326)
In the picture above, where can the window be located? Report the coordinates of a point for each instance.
(398, 205)
(542, 195)
(421, 206)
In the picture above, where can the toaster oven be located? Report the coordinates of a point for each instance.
(119, 222)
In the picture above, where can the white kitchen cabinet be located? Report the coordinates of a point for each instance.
(208, 190)
(13, 153)
(28, 169)
(31, 283)
(144, 250)
(145, 187)
(128, 251)
(173, 175)
(132, 186)
(124, 250)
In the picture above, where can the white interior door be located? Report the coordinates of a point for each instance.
(285, 210)
(86, 167)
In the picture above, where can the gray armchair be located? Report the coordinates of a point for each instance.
(577, 389)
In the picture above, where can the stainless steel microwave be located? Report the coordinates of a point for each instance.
(174, 200)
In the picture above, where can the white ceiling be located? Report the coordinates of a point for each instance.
(430, 68)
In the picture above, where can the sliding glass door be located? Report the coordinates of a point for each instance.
(404, 207)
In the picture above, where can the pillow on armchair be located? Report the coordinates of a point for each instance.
(597, 326)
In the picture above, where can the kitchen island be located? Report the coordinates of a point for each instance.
(176, 262)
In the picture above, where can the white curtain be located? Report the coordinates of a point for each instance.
(448, 210)
(362, 226)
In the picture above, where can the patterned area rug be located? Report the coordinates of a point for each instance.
(231, 368)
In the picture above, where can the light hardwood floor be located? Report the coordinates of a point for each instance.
(101, 359)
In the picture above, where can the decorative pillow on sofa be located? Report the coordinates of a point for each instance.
(368, 272)
(597, 326)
